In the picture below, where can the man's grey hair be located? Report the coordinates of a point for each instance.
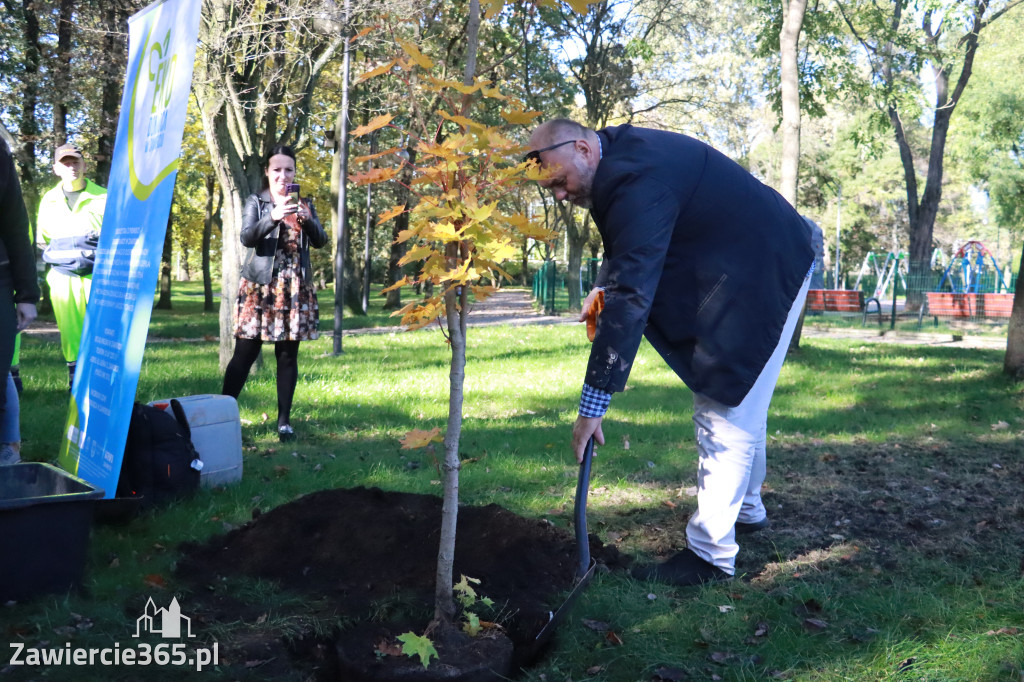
(562, 129)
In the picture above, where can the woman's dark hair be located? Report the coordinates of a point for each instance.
(274, 151)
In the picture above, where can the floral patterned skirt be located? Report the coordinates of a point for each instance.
(284, 310)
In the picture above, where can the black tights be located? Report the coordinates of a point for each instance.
(246, 352)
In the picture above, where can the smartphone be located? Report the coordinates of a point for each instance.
(293, 192)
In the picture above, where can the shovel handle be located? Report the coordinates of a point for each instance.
(580, 511)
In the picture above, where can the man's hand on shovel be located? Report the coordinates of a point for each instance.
(582, 430)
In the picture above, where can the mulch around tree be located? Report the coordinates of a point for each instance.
(367, 558)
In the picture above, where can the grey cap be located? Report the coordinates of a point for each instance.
(66, 150)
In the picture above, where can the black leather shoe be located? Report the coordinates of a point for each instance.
(682, 569)
(753, 527)
(285, 433)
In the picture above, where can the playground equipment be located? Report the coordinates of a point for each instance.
(885, 272)
(968, 271)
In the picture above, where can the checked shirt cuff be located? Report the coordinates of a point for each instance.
(594, 402)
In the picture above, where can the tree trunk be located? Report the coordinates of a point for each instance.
(239, 93)
(456, 311)
(401, 223)
(792, 22)
(208, 219)
(29, 124)
(112, 71)
(577, 238)
(62, 72)
(1013, 363)
(164, 302)
(456, 308)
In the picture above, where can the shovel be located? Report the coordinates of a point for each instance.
(585, 565)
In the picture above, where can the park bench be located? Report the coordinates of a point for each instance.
(967, 305)
(835, 300)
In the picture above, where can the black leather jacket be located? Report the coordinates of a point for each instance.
(259, 235)
(17, 257)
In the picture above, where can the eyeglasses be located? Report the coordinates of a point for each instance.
(535, 154)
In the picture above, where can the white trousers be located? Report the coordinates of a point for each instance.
(731, 458)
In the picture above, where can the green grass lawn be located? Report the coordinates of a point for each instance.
(894, 489)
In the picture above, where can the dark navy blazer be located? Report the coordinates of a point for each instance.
(700, 257)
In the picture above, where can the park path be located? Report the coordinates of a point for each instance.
(515, 307)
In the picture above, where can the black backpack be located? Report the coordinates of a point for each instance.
(160, 463)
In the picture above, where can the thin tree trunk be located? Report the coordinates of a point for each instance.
(208, 218)
(62, 72)
(112, 71)
(792, 22)
(456, 308)
(164, 302)
(577, 238)
(401, 223)
(1013, 363)
(29, 127)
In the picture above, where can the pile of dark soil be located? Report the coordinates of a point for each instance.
(360, 552)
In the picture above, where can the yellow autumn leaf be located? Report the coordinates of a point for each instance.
(372, 176)
(418, 438)
(491, 7)
(361, 33)
(434, 267)
(376, 123)
(482, 213)
(387, 215)
(497, 251)
(423, 60)
(462, 274)
(519, 117)
(534, 231)
(461, 120)
(370, 157)
(579, 6)
(415, 253)
(443, 231)
(406, 235)
(458, 85)
(397, 285)
(373, 73)
(481, 293)
(493, 93)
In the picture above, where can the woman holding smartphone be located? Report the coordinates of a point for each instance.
(276, 299)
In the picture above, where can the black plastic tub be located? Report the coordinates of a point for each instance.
(45, 518)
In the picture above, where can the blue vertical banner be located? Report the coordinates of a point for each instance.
(161, 51)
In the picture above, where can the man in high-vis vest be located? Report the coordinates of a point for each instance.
(68, 231)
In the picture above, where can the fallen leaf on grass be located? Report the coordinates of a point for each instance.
(597, 625)
(257, 663)
(670, 504)
(1003, 631)
(815, 624)
(761, 629)
(262, 619)
(1000, 426)
(725, 608)
(719, 657)
(613, 638)
(594, 669)
(388, 649)
(155, 580)
(665, 674)
(625, 442)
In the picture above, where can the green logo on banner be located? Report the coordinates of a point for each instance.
(154, 85)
